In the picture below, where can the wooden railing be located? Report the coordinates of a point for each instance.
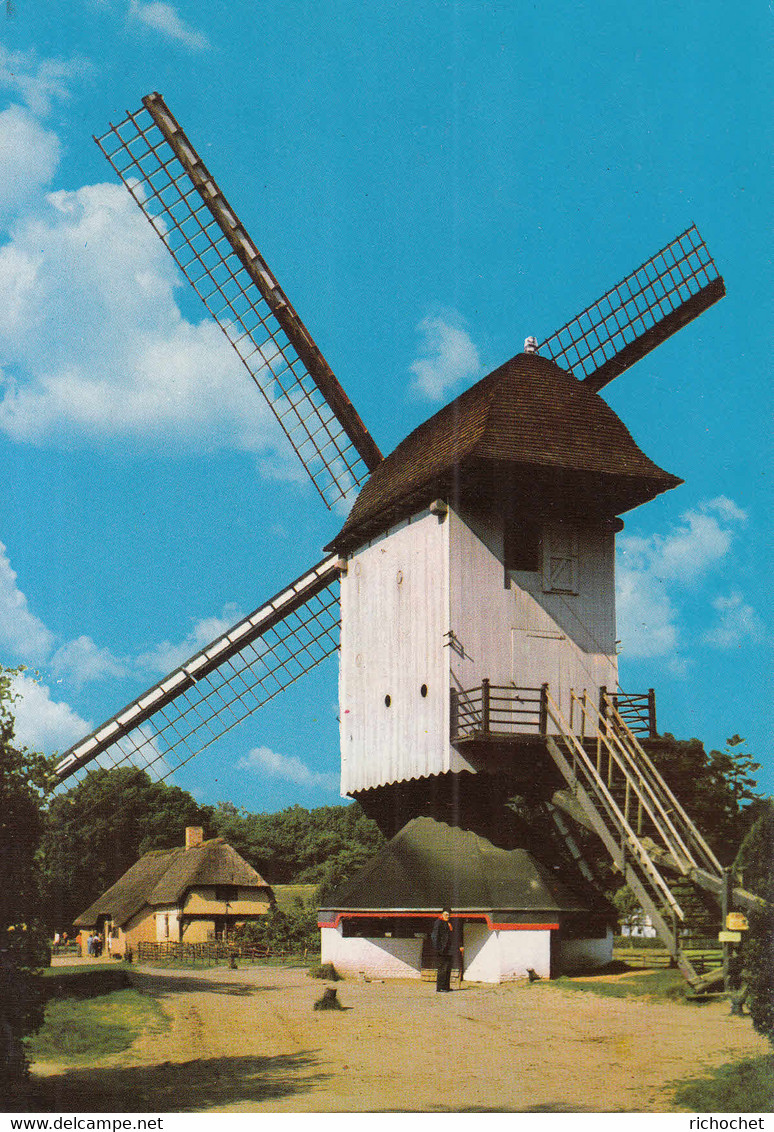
(505, 709)
(637, 709)
(497, 709)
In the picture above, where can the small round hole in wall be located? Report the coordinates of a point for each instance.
(387, 701)
(423, 691)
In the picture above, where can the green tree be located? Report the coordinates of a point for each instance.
(96, 830)
(299, 845)
(717, 790)
(755, 867)
(24, 780)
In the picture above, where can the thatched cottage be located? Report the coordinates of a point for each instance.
(184, 895)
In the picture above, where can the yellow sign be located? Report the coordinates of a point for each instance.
(730, 937)
(736, 922)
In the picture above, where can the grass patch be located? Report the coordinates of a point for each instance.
(664, 985)
(83, 982)
(325, 971)
(743, 1086)
(241, 961)
(90, 1014)
(291, 897)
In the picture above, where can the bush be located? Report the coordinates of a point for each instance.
(755, 863)
(325, 971)
(290, 930)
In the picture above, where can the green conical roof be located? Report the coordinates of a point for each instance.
(429, 864)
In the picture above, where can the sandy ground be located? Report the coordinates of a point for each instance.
(249, 1041)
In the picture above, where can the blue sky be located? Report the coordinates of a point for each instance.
(430, 183)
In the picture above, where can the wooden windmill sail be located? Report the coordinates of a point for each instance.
(298, 628)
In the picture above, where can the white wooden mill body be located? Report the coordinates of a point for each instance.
(429, 606)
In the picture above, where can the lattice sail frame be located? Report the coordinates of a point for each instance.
(179, 197)
(219, 687)
(665, 293)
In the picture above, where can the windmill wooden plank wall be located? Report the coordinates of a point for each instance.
(429, 607)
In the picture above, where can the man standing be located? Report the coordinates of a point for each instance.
(445, 941)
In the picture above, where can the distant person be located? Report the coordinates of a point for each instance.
(445, 940)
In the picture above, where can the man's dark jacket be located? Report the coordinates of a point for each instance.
(444, 937)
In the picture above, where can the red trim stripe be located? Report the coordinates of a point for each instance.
(485, 916)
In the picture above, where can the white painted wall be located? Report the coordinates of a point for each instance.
(378, 958)
(573, 954)
(394, 613)
(520, 951)
(499, 956)
(482, 954)
(407, 590)
(509, 629)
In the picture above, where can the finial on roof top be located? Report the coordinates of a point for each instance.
(530, 345)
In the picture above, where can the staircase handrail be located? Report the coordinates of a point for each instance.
(642, 754)
(610, 804)
(628, 765)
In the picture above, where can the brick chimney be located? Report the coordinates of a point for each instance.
(194, 835)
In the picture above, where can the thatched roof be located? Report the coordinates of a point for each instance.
(529, 424)
(429, 864)
(162, 877)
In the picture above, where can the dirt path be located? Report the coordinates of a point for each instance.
(249, 1041)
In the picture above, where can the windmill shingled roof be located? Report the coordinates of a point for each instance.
(429, 864)
(528, 413)
(163, 876)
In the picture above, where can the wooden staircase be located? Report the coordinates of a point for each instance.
(661, 854)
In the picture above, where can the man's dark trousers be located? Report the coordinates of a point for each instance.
(443, 977)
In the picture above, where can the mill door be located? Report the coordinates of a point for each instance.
(538, 650)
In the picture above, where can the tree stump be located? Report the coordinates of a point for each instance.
(329, 1000)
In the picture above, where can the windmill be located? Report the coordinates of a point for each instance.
(475, 567)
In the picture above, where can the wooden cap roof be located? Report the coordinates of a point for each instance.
(529, 423)
(163, 876)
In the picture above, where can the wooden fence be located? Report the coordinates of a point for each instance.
(703, 959)
(209, 954)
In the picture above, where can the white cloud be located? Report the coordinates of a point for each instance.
(95, 344)
(167, 656)
(288, 767)
(687, 551)
(646, 616)
(25, 638)
(29, 157)
(40, 82)
(648, 570)
(22, 634)
(164, 18)
(737, 621)
(449, 356)
(44, 724)
(80, 661)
